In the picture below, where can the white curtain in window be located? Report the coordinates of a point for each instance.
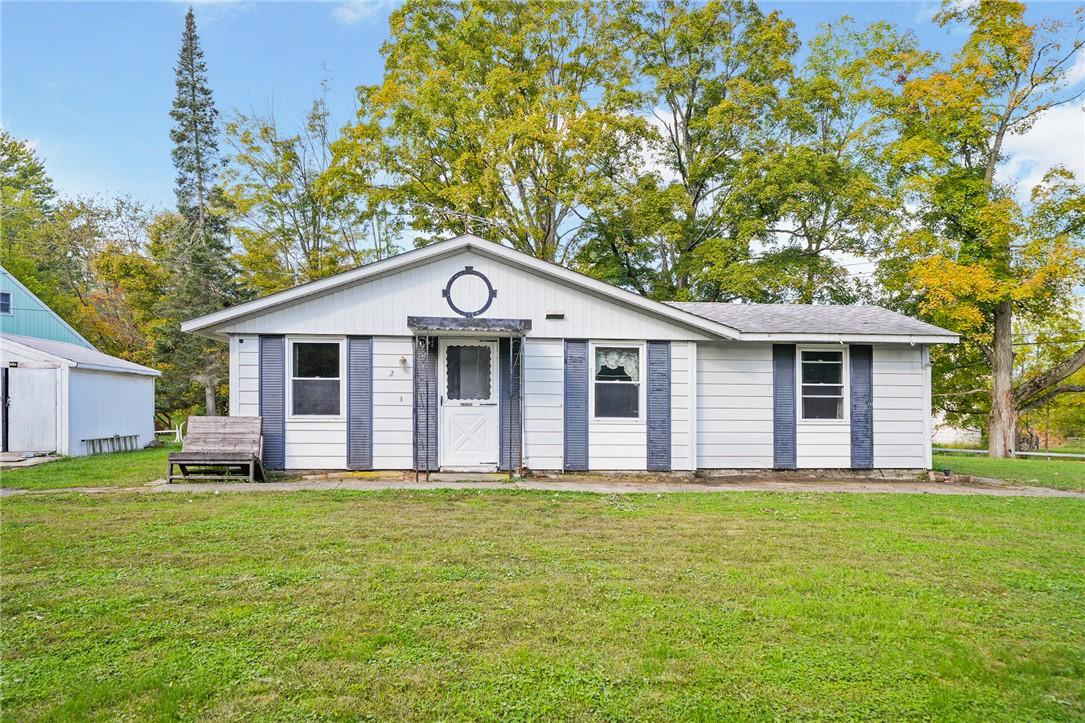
(617, 364)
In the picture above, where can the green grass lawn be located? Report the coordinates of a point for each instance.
(1059, 473)
(529, 605)
(121, 469)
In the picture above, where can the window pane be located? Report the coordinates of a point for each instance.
(616, 400)
(617, 364)
(468, 369)
(316, 359)
(822, 408)
(825, 391)
(829, 356)
(316, 396)
(821, 373)
(5, 302)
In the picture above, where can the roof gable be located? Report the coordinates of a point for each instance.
(377, 298)
(32, 317)
(419, 276)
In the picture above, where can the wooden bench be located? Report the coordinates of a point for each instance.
(230, 447)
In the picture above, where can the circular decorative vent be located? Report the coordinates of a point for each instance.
(462, 295)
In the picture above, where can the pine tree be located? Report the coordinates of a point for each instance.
(197, 250)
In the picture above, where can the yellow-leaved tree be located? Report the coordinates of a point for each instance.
(975, 256)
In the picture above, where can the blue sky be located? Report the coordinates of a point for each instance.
(90, 84)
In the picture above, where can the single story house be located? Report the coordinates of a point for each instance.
(467, 355)
(58, 394)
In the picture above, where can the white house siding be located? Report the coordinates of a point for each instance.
(901, 408)
(107, 404)
(244, 376)
(316, 443)
(393, 403)
(544, 365)
(822, 445)
(616, 445)
(734, 405)
(380, 306)
(683, 355)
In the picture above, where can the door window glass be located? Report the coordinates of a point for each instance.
(468, 369)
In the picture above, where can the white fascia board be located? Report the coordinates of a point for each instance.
(116, 370)
(205, 324)
(323, 286)
(39, 356)
(912, 339)
(57, 361)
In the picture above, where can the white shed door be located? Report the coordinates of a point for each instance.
(469, 418)
(32, 410)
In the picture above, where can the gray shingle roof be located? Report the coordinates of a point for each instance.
(811, 319)
(80, 356)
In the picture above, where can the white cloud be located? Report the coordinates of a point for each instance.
(1077, 73)
(355, 11)
(1057, 138)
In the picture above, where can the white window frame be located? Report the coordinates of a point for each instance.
(844, 382)
(641, 382)
(290, 342)
(11, 304)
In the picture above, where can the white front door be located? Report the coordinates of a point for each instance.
(469, 394)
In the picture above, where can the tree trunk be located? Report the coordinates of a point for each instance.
(209, 396)
(1002, 424)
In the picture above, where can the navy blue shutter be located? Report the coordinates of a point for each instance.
(862, 406)
(659, 406)
(359, 403)
(425, 403)
(510, 423)
(783, 406)
(576, 405)
(273, 400)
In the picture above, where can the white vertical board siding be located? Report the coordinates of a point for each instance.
(901, 408)
(681, 405)
(543, 365)
(107, 404)
(34, 420)
(244, 376)
(393, 408)
(734, 405)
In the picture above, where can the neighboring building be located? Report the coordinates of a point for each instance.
(467, 355)
(947, 434)
(24, 314)
(58, 394)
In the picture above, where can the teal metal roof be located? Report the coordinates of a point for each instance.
(31, 317)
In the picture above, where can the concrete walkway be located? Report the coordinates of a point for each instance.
(592, 485)
(15, 460)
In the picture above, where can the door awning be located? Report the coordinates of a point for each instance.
(453, 324)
